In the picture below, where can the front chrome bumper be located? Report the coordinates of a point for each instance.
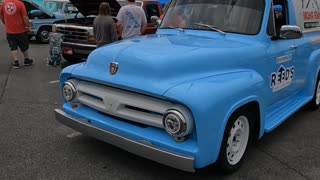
(91, 46)
(182, 162)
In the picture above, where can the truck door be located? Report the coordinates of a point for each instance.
(282, 56)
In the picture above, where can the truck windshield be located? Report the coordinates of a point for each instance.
(235, 16)
(57, 7)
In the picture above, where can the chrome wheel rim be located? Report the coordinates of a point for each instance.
(238, 140)
(44, 35)
(318, 93)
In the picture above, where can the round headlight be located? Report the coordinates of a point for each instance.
(54, 28)
(173, 123)
(69, 91)
(176, 124)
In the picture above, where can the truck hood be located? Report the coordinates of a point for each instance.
(91, 7)
(33, 6)
(155, 63)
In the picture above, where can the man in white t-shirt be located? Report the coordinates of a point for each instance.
(132, 20)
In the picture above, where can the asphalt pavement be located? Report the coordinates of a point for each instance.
(33, 145)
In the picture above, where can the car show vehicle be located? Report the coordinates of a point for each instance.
(42, 19)
(79, 40)
(61, 7)
(216, 76)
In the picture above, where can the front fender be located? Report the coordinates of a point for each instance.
(66, 73)
(212, 100)
(37, 24)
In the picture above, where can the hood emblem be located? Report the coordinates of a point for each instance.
(113, 68)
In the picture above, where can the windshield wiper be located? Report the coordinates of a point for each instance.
(210, 27)
(170, 27)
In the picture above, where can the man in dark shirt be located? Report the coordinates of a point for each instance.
(104, 27)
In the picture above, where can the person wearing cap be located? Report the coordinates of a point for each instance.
(278, 16)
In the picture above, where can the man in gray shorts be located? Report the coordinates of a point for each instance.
(13, 14)
(132, 20)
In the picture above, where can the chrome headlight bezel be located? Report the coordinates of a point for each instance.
(178, 121)
(54, 28)
(90, 31)
(69, 91)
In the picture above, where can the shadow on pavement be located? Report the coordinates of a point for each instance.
(65, 63)
(35, 42)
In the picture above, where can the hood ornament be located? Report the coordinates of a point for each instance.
(113, 68)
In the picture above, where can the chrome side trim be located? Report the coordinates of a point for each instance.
(82, 45)
(74, 26)
(178, 161)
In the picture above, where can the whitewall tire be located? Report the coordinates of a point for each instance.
(237, 137)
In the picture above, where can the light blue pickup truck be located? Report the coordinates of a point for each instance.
(42, 17)
(217, 75)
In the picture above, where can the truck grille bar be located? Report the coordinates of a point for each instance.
(73, 33)
(122, 104)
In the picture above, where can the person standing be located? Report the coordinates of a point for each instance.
(14, 16)
(104, 27)
(132, 20)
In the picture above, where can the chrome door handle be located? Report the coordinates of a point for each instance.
(293, 46)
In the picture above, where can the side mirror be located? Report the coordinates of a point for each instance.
(290, 32)
(156, 20)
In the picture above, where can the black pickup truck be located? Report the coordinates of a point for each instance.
(79, 40)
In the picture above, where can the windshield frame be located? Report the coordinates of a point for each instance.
(257, 29)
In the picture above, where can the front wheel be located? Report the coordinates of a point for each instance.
(315, 102)
(43, 35)
(235, 141)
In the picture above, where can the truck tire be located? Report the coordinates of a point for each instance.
(314, 104)
(43, 35)
(237, 136)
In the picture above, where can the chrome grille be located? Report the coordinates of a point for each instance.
(73, 33)
(122, 104)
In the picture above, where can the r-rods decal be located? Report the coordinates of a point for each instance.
(282, 78)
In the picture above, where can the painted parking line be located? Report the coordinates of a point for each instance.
(37, 46)
(52, 82)
(75, 134)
